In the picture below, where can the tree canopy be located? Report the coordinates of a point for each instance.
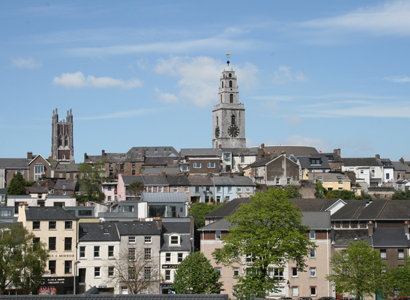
(401, 195)
(358, 270)
(136, 188)
(89, 177)
(23, 259)
(195, 275)
(293, 191)
(268, 233)
(17, 185)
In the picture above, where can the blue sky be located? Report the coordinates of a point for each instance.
(328, 74)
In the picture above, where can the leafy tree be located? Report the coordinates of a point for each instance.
(23, 259)
(268, 232)
(401, 195)
(343, 194)
(357, 270)
(199, 211)
(134, 271)
(17, 185)
(89, 178)
(320, 192)
(293, 191)
(364, 196)
(136, 188)
(195, 275)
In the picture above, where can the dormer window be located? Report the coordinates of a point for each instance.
(315, 161)
(174, 240)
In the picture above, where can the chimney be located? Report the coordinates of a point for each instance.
(22, 213)
(337, 151)
(220, 146)
(401, 160)
(159, 222)
(370, 227)
(406, 227)
(284, 152)
(85, 156)
(43, 176)
(103, 153)
(209, 174)
(230, 175)
(30, 155)
(186, 174)
(260, 152)
(378, 156)
(164, 174)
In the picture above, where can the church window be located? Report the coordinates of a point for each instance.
(63, 156)
(222, 84)
(221, 98)
(231, 98)
(233, 120)
(217, 121)
(230, 75)
(230, 83)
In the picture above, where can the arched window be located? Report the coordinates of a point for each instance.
(217, 121)
(230, 75)
(221, 98)
(63, 156)
(233, 120)
(230, 83)
(222, 84)
(231, 98)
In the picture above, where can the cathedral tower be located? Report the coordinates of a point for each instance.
(62, 143)
(228, 114)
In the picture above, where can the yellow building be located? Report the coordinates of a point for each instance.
(331, 181)
(58, 229)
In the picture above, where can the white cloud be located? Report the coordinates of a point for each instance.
(398, 79)
(25, 63)
(198, 77)
(297, 140)
(294, 120)
(398, 110)
(387, 19)
(284, 75)
(78, 80)
(166, 98)
(119, 115)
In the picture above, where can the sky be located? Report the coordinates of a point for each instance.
(327, 74)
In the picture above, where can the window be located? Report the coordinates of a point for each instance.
(67, 267)
(312, 234)
(86, 212)
(174, 240)
(147, 253)
(186, 189)
(383, 254)
(227, 157)
(229, 189)
(278, 273)
(211, 165)
(239, 189)
(110, 251)
(175, 189)
(131, 254)
(110, 271)
(196, 189)
(242, 159)
(197, 165)
(312, 272)
(82, 251)
(180, 257)
(167, 274)
(96, 251)
(52, 266)
(184, 168)
(315, 161)
(217, 235)
(235, 272)
(294, 272)
(387, 176)
(51, 243)
(230, 82)
(147, 240)
(52, 225)
(131, 240)
(277, 180)
(313, 291)
(167, 257)
(68, 225)
(288, 180)
(400, 254)
(67, 244)
(218, 189)
(248, 189)
(160, 189)
(97, 271)
(36, 225)
(150, 189)
(218, 270)
(312, 253)
(38, 171)
(147, 273)
(231, 98)
(295, 291)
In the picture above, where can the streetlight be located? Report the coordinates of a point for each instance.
(75, 274)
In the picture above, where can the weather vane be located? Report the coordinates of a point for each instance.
(227, 57)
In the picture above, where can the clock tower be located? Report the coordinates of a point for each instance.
(228, 114)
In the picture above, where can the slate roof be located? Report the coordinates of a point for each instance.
(344, 237)
(241, 151)
(119, 297)
(176, 227)
(161, 161)
(178, 180)
(295, 150)
(228, 208)
(305, 162)
(68, 185)
(164, 197)
(185, 244)
(327, 176)
(67, 167)
(361, 161)
(130, 179)
(316, 220)
(222, 224)
(37, 189)
(260, 163)
(158, 171)
(390, 237)
(235, 181)
(98, 232)
(312, 205)
(201, 152)
(155, 180)
(150, 151)
(138, 228)
(3, 191)
(48, 213)
(13, 163)
(398, 166)
(200, 180)
(335, 157)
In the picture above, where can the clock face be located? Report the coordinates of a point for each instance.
(217, 131)
(233, 131)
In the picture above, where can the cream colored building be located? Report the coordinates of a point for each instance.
(58, 230)
(330, 181)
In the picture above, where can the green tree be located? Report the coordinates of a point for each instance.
(397, 280)
(357, 270)
(267, 232)
(17, 185)
(293, 191)
(401, 195)
(343, 194)
(320, 192)
(199, 211)
(89, 178)
(195, 275)
(364, 196)
(23, 259)
(136, 188)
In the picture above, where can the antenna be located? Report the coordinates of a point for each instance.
(227, 57)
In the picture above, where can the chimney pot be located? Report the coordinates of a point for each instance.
(370, 227)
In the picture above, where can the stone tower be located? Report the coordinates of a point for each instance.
(62, 142)
(228, 115)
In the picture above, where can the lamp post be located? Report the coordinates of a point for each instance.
(75, 275)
